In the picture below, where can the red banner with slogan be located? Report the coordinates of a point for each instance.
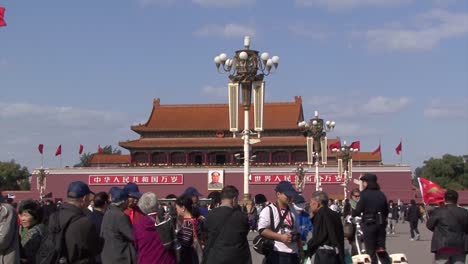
(326, 178)
(140, 179)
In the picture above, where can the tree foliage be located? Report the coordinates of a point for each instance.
(85, 159)
(13, 176)
(450, 171)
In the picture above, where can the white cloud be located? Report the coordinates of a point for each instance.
(25, 125)
(311, 32)
(447, 108)
(215, 91)
(231, 30)
(224, 3)
(385, 105)
(350, 4)
(357, 105)
(424, 33)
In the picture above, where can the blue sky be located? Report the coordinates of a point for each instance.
(76, 72)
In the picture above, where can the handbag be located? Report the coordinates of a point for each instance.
(166, 233)
(263, 245)
(348, 230)
(197, 248)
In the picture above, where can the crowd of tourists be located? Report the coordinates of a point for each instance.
(124, 225)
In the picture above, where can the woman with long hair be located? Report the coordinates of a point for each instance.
(187, 231)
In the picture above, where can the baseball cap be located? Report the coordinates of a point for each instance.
(118, 195)
(132, 190)
(286, 188)
(78, 189)
(192, 191)
(298, 199)
(368, 177)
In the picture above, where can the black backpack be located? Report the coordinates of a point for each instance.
(52, 249)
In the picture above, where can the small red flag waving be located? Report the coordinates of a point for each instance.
(356, 145)
(99, 150)
(336, 145)
(58, 151)
(376, 151)
(431, 192)
(398, 148)
(41, 148)
(81, 149)
(2, 16)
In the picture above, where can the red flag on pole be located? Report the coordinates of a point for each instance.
(41, 148)
(336, 145)
(431, 192)
(81, 149)
(377, 150)
(356, 145)
(99, 150)
(2, 17)
(58, 151)
(398, 148)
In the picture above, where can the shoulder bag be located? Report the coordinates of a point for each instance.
(263, 245)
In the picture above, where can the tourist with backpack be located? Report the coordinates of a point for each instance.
(276, 223)
(117, 232)
(71, 236)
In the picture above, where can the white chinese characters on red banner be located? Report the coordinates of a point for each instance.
(325, 178)
(139, 179)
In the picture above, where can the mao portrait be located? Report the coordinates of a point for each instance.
(215, 179)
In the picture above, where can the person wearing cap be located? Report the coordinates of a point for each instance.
(327, 242)
(303, 218)
(82, 240)
(133, 211)
(199, 210)
(373, 207)
(286, 239)
(117, 232)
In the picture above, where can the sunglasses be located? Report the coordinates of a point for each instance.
(357, 196)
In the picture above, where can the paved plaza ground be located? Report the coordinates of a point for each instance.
(417, 252)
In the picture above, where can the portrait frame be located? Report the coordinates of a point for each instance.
(214, 186)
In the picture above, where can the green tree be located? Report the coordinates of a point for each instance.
(85, 159)
(450, 171)
(13, 176)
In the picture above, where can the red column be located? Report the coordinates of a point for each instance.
(168, 157)
(289, 157)
(205, 160)
(270, 157)
(132, 158)
(232, 158)
(150, 158)
(186, 158)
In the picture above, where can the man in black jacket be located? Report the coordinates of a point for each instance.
(227, 229)
(374, 209)
(81, 238)
(413, 216)
(327, 242)
(449, 225)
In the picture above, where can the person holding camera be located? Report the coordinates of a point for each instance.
(286, 238)
(374, 209)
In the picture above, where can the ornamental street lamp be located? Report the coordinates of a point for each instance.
(41, 182)
(345, 164)
(316, 133)
(300, 178)
(246, 70)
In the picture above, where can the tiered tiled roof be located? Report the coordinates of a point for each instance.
(109, 159)
(206, 117)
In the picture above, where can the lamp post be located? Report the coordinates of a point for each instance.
(300, 178)
(316, 133)
(246, 70)
(345, 164)
(41, 182)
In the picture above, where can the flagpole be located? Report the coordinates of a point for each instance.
(424, 202)
(401, 151)
(60, 160)
(42, 160)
